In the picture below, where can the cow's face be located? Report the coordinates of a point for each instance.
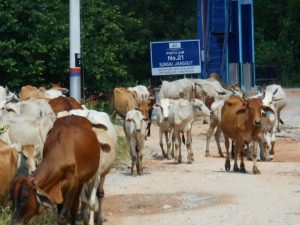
(25, 204)
(29, 152)
(254, 107)
(165, 107)
(144, 107)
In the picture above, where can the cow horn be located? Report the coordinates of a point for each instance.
(263, 95)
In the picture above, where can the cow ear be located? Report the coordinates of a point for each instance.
(105, 147)
(43, 199)
(267, 108)
(100, 126)
(240, 111)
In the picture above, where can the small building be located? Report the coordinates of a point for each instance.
(226, 33)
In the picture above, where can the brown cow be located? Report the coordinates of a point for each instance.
(241, 122)
(14, 162)
(70, 158)
(151, 103)
(124, 100)
(29, 91)
(62, 103)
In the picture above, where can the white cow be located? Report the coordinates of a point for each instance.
(181, 116)
(276, 95)
(135, 130)
(142, 93)
(215, 124)
(164, 126)
(182, 88)
(92, 192)
(33, 107)
(27, 130)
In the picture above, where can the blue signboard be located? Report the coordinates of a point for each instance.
(175, 57)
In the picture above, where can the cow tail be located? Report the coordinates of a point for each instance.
(183, 139)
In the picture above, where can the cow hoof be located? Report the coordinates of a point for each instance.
(256, 171)
(207, 154)
(169, 157)
(227, 167)
(221, 155)
(179, 161)
(243, 170)
(236, 169)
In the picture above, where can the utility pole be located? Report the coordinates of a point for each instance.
(75, 77)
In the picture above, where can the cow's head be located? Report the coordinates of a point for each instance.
(139, 120)
(29, 152)
(253, 109)
(200, 105)
(144, 107)
(236, 89)
(164, 108)
(25, 201)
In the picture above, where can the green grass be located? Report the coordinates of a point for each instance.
(123, 154)
(49, 217)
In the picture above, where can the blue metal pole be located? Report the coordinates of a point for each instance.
(240, 43)
(75, 77)
(200, 36)
(253, 45)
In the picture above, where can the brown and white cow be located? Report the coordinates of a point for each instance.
(14, 162)
(241, 121)
(70, 158)
(124, 101)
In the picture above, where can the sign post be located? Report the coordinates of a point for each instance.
(75, 78)
(175, 57)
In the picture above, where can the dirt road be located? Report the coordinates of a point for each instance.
(202, 192)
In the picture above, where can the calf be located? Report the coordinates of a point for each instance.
(135, 130)
(70, 158)
(165, 127)
(181, 116)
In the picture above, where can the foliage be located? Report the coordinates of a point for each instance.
(277, 38)
(34, 42)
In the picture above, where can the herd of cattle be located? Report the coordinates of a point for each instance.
(56, 152)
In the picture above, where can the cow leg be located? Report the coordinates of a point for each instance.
(169, 143)
(232, 149)
(217, 138)
(255, 169)
(272, 152)
(227, 161)
(237, 148)
(177, 139)
(93, 198)
(179, 149)
(133, 154)
(161, 142)
(75, 207)
(69, 199)
(172, 135)
(242, 165)
(100, 195)
(139, 164)
(189, 146)
(209, 133)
